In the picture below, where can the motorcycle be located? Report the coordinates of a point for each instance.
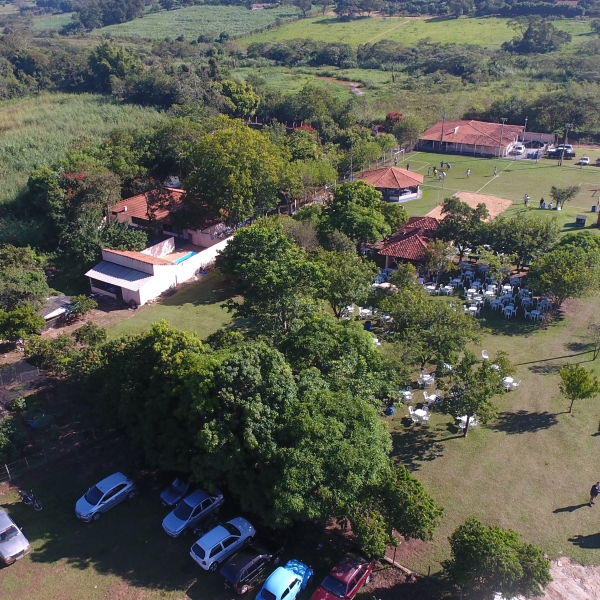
(30, 500)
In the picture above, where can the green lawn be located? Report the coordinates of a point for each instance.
(194, 307)
(54, 22)
(514, 180)
(489, 32)
(194, 21)
(530, 469)
(39, 130)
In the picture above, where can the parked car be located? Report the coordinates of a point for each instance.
(345, 579)
(221, 542)
(245, 567)
(286, 582)
(13, 544)
(518, 149)
(191, 510)
(175, 492)
(103, 496)
(584, 160)
(557, 151)
(598, 162)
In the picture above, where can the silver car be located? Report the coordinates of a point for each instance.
(13, 544)
(103, 496)
(191, 510)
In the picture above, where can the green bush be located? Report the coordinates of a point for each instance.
(12, 441)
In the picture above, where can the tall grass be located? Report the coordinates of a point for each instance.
(39, 130)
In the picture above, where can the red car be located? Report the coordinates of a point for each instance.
(345, 579)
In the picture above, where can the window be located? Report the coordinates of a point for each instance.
(229, 541)
(354, 582)
(285, 593)
(207, 504)
(215, 550)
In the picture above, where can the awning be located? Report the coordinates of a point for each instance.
(130, 279)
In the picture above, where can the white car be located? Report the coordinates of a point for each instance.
(584, 160)
(13, 544)
(519, 149)
(222, 541)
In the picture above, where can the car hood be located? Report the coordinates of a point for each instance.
(299, 568)
(322, 594)
(14, 545)
(170, 495)
(83, 507)
(173, 523)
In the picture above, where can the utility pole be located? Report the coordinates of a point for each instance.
(524, 129)
(562, 153)
(503, 119)
(443, 123)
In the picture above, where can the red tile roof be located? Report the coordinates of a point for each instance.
(137, 206)
(145, 258)
(392, 178)
(473, 133)
(410, 242)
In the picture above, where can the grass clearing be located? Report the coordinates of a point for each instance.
(53, 22)
(194, 307)
(515, 179)
(529, 469)
(489, 32)
(39, 130)
(194, 21)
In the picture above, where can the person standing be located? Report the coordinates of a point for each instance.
(407, 167)
(448, 165)
(444, 174)
(541, 201)
(495, 171)
(594, 492)
(526, 199)
(435, 171)
(428, 171)
(441, 164)
(468, 173)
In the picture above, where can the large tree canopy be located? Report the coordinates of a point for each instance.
(288, 447)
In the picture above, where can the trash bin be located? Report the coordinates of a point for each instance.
(594, 207)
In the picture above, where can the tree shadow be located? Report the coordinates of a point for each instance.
(586, 541)
(518, 325)
(580, 347)
(416, 444)
(570, 508)
(212, 288)
(544, 369)
(524, 422)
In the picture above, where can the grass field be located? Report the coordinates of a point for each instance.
(530, 469)
(39, 130)
(194, 307)
(194, 21)
(514, 180)
(54, 22)
(490, 32)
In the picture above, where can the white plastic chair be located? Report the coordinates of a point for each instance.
(415, 418)
(516, 384)
(484, 354)
(425, 419)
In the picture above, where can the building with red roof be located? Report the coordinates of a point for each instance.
(409, 244)
(471, 137)
(395, 185)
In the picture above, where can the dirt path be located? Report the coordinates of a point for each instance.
(404, 22)
(571, 581)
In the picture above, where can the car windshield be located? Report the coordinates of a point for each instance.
(334, 586)
(8, 533)
(183, 511)
(198, 551)
(232, 529)
(93, 496)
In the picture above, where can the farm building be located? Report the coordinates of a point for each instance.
(395, 185)
(409, 244)
(471, 137)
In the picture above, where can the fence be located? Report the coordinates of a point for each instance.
(49, 451)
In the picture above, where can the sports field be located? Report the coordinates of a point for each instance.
(514, 179)
(490, 32)
(194, 21)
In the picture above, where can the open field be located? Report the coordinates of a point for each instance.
(39, 130)
(54, 22)
(489, 32)
(530, 469)
(194, 307)
(194, 21)
(515, 179)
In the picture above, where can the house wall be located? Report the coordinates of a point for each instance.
(159, 250)
(126, 261)
(131, 296)
(187, 269)
(165, 277)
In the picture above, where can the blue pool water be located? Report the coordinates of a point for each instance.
(184, 257)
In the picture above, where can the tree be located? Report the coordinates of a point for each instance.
(566, 272)
(538, 36)
(472, 387)
(439, 257)
(492, 560)
(304, 6)
(22, 280)
(275, 277)
(21, 322)
(80, 306)
(237, 171)
(594, 337)
(354, 210)
(53, 356)
(408, 129)
(243, 100)
(462, 225)
(562, 195)
(577, 383)
(107, 62)
(347, 279)
(90, 334)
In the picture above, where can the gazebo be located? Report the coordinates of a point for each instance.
(395, 185)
